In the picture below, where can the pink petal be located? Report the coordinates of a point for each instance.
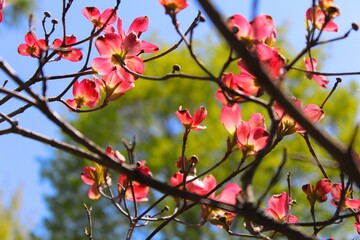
(280, 204)
(106, 14)
(120, 28)
(209, 184)
(321, 80)
(352, 203)
(228, 195)
(132, 45)
(336, 191)
(242, 134)
(30, 39)
(292, 219)
(139, 25)
(57, 43)
(135, 64)
(313, 112)
(70, 39)
(258, 137)
(140, 191)
(102, 66)
(72, 102)
(147, 47)
(231, 117)
(257, 120)
(109, 44)
(91, 12)
(87, 175)
(94, 192)
(262, 28)
(239, 23)
(199, 116)
(22, 49)
(331, 26)
(246, 83)
(184, 117)
(74, 55)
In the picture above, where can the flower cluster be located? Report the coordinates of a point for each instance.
(119, 57)
(288, 126)
(321, 16)
(206, 187)
(129, 189)
(251, 135)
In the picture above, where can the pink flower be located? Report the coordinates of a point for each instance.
(99, 19)
(86, 93)
(189, 122)
(113, 87)
(261, 29)
(350, 203)
(140, 191)
(243, 83)
(195, 186)
(118, 50)
(310, 65)
(288, 126)
(272, 62)
(94, 176)
(320, 19)
(32, 46)
(252, 135)
(279, 208)
(173, 6)
(2, 6)
(323, 187)
(69, 53)
(219, 217)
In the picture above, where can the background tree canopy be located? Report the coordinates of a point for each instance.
(148, 114)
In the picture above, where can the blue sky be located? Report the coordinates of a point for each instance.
(20, 157)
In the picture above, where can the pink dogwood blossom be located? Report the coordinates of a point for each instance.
(94, 176)
(99, 19)
(288, 126)
(32, 46)
(113, 87)
(189, 122)
(317, 17)
(121, 49)
(279, 208)
(69, 53)
(219, 217)
(319, 192)
(86, 93)
(252, 135)
(261, 29)
(140, 191)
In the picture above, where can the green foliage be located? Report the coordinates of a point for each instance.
(10, 226)
(18, 10)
